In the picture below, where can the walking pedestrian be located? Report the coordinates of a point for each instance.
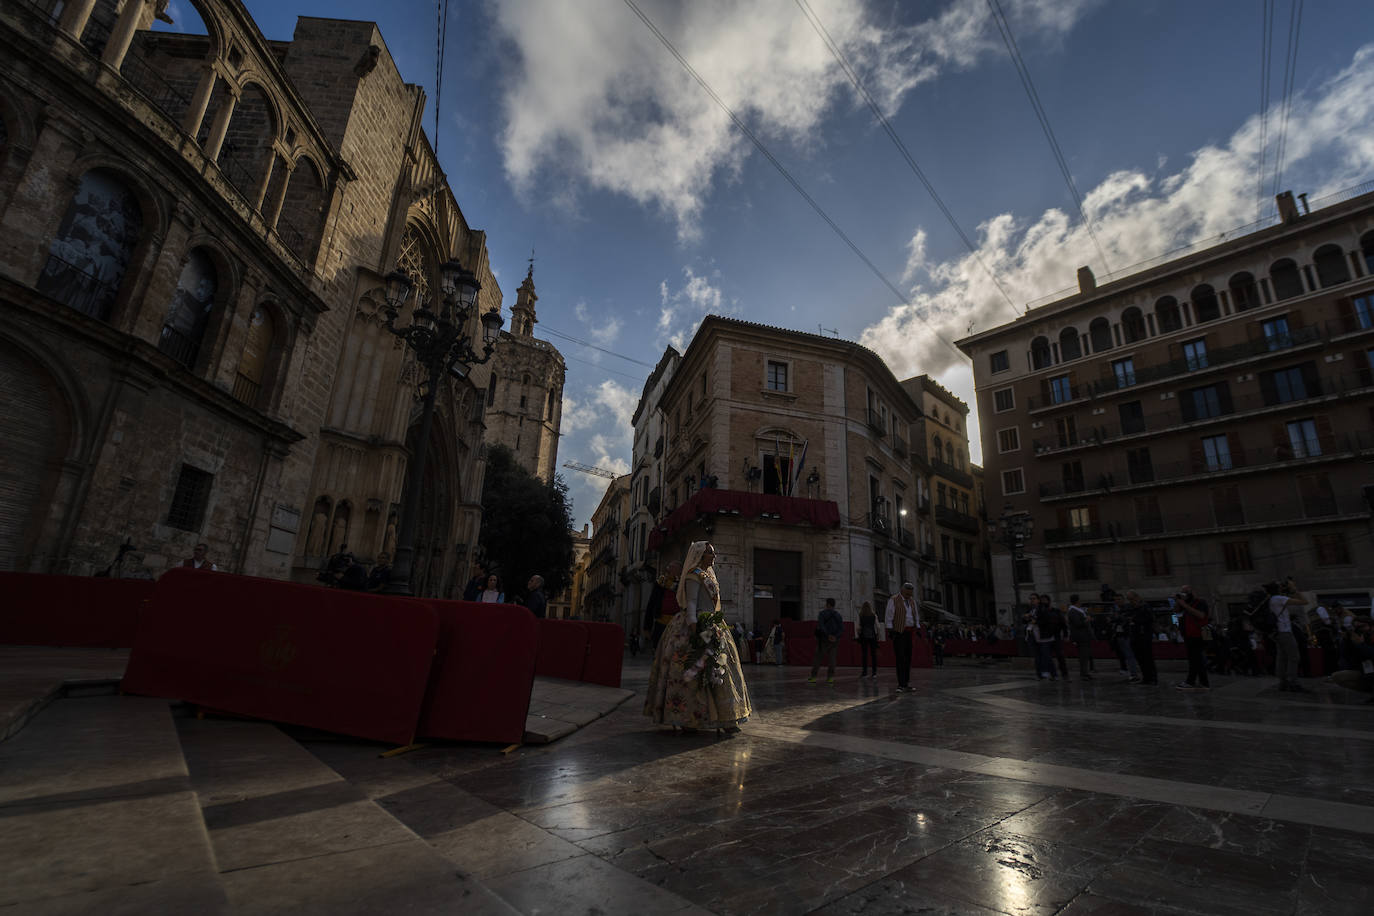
(1081, 632)
(1195, 618)
(829, 629)
(901, 619)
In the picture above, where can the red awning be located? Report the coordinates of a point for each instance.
(786, 510)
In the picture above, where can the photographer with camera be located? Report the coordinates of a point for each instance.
(1284, 600)
(1195, 613)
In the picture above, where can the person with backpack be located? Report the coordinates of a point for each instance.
(1081, 632)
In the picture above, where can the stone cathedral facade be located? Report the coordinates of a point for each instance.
(195, 232)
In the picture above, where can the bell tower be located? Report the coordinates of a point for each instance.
(523, 319)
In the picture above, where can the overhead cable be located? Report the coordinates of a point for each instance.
(796, 186)
(1266, 43)
(1289, 78)
(999, 18)
(849, 71)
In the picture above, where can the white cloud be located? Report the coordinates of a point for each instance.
(603, 328)
(596, 101)
(681, 310)
(609, 403)
(1330, 147)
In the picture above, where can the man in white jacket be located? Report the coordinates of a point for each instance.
(902, 619)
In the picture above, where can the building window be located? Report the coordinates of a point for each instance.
(1139, 467)
(1022, 570)
(1132, 417)
(1071, 473)
(1217, 452)
(189, 499)
(1009, 439)
(524, 400)
(1237, 556)
(1205, 305)
(1363, 307)
(1283, 275)
(1060, 389)
(1013, 482)
(777, 376)
(1167, 315)
(1276, 333)
(1100, 334)
(1284, 385)
(1066, 428)
(1318, 499)
(1085, 567)
(94, 245)
(1156, 561)
(1040, 353)
(1003, 400)
(940, 494)
(1227, 508)
(1124, 370)
(1302, 439)
(999, 361)
(1195, 354)
(1244, 292)
(1148, 517)
(1331, 549)
(1205, 402)
(1082, 520)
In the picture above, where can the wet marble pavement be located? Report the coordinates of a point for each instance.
(983, 791)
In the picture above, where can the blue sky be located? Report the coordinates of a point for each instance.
(569, 128)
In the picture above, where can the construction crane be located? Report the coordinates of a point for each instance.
(588, 469)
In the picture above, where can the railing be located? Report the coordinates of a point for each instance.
(899, 446)
(905, 537)
(180, 347)
(246, 390)
(950, 472)
(154, 87)
(1327, 386)
(1221, 356)
(1074, 533)
(957, 572)
(927, 553)
(1208, 520)
(1067, 395)
(880, 523)
(953, 518)
(875, 422)
(923, 505)
(78, 288)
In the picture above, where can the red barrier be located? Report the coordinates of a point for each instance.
(483, 672)
(341, 661)
(605, 654)
(78, 611)
(562, 649)
(801, 647)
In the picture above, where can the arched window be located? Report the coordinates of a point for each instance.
(1167, 316)
(549, 414)
(959, 455)
(949, 454)
(1330, 263)
(94, 244)
(189, 312)
(1100, 334)
(1283, 276)
(525, 379)
(257, 352)
(1068, 344)
(1132, 325)
(301, 219)
(247, 149)
(1205, 305)
(1244, 291)
(1367, 250)
(1040, 353)
(415, 261)
(939, 448)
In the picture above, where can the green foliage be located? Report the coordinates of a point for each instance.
(525, 526)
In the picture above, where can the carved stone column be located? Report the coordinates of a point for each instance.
(129, 20)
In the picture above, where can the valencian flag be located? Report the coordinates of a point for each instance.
(801, 463)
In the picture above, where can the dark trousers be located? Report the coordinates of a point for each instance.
(1044, 659)
(1059, 654)
(1197, 662)
(1085, 658)
(1143, 648)
(825, 654)
(868, 652)
(901, 647)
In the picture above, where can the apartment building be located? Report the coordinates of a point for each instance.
(1209, 420)
(605, 582)
(789, 451)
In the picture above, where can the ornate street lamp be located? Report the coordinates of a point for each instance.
(442, 344)
(1014, 530)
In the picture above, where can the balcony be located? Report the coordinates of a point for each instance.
(957, 572)
(1349, 324)
(655, 500)
(906, 538)
(923, 505)
(1074, 533)
(899, 446)
(1331, 387)
(927, 554)
(786, 510)
(876, 422)
(1069, 394)
(1110, 383)
(953, 518)
(880, 523)
(951, 473)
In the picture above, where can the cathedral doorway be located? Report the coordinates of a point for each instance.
(432, 575)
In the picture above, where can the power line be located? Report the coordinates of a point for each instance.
(592, 346)
(1000, 19)
(1266, 42)
(587, 362)
(440, 41)
(849, 71)
(796, 186)
(1290, 73)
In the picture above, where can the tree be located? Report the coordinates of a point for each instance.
(526, 526)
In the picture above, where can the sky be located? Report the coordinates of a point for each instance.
(572, 129)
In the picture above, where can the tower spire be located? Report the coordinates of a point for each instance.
(523, 318)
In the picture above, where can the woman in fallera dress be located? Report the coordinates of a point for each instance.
(679, 694)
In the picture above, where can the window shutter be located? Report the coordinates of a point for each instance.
(1326, 435)
(1175, 352)
(1311, 380)
(1294, 319)
(1346, 309)
(1187, 406)
(1268, 390)
(1254, 331)
(1224, 397)
(1281, 444)
(1063, 515)
(1237, 453)
(1197, 455)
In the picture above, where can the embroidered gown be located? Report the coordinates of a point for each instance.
(671, 700)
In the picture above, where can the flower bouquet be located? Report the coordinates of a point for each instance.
(705, 659)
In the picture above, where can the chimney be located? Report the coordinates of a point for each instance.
(1288, 208)
(1086, 281)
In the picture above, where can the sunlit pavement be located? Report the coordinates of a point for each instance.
(983, 790)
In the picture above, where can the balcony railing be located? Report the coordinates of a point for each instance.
(950, 472)
(953, 518)
(957, 572)
(155, 87)
(880, 523)
(1328, 386)
(180, 347)
(1338, 445)
(1074, 533)
(246, 390)
(1208, 520)
(1110, 382)
(78, 288)
(1066, 395)
(876, 422)
(905, 537)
